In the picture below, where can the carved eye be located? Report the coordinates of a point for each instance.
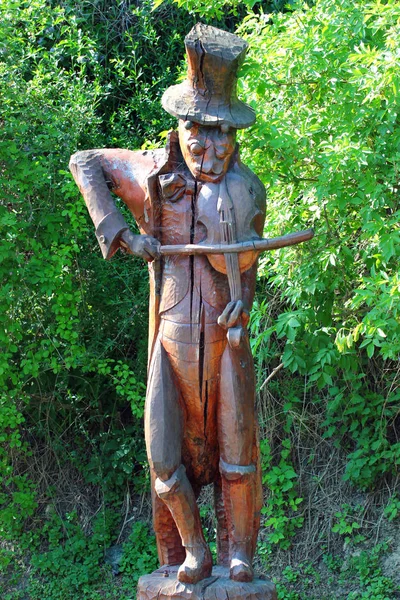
(196, 149)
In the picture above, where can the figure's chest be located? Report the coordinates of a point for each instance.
(179, 210)
(192, 213)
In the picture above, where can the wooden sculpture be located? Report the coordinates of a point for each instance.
(201, 215)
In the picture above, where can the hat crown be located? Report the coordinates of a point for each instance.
(214, 59)
(208, 95)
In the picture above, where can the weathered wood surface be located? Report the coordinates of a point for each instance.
(164, 585)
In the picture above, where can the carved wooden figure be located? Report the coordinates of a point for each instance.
(201, 213)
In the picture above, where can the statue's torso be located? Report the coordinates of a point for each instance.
(195, 288)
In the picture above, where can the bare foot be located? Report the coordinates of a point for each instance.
(197, 566)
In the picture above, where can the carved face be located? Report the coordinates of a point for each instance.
(206, 150)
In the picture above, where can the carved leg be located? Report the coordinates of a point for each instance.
(238, 489)
(169, 543)
(178, 495)
(236, 421)
(222, 526)
(163, 431)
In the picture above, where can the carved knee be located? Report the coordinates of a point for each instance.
(235, 472)
(165, 488)
(164, 471)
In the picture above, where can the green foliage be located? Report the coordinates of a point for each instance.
(392, 509)
(324, 81)
(305, 574)
(221, 10)
(347, 523)
(358, 577)
(73, 328)
(73, 565)
(373, 584)
(281, 509)
(139, 552)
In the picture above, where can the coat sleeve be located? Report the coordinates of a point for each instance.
(124, 172)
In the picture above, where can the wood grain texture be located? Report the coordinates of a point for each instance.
(163, 585)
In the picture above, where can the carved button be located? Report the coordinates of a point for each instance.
(102, 239)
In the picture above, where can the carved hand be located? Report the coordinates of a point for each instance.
(234, 312)
(144, 246)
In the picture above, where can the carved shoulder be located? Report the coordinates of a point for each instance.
(125, 172)
(97, 172)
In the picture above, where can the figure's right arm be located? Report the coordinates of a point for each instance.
(96, 172)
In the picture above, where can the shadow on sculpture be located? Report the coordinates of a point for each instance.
(201, 216)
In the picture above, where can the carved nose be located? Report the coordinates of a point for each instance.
(208, 163)
(208, 160)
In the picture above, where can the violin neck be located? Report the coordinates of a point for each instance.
(233, 273)
(227, 227)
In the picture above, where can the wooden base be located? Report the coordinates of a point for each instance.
(163, 585)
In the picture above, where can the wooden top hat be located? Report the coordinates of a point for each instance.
(208, 94)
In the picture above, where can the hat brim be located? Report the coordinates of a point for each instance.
(184, 102)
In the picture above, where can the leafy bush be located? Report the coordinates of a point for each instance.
(140, 554)
(325, 84)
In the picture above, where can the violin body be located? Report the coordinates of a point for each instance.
(244, 192)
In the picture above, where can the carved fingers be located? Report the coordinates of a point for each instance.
(233, 313)
(144, 246)
(150, 248)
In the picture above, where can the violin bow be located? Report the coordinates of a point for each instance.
(258, 245)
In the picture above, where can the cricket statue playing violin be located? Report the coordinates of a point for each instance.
(200, 213)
